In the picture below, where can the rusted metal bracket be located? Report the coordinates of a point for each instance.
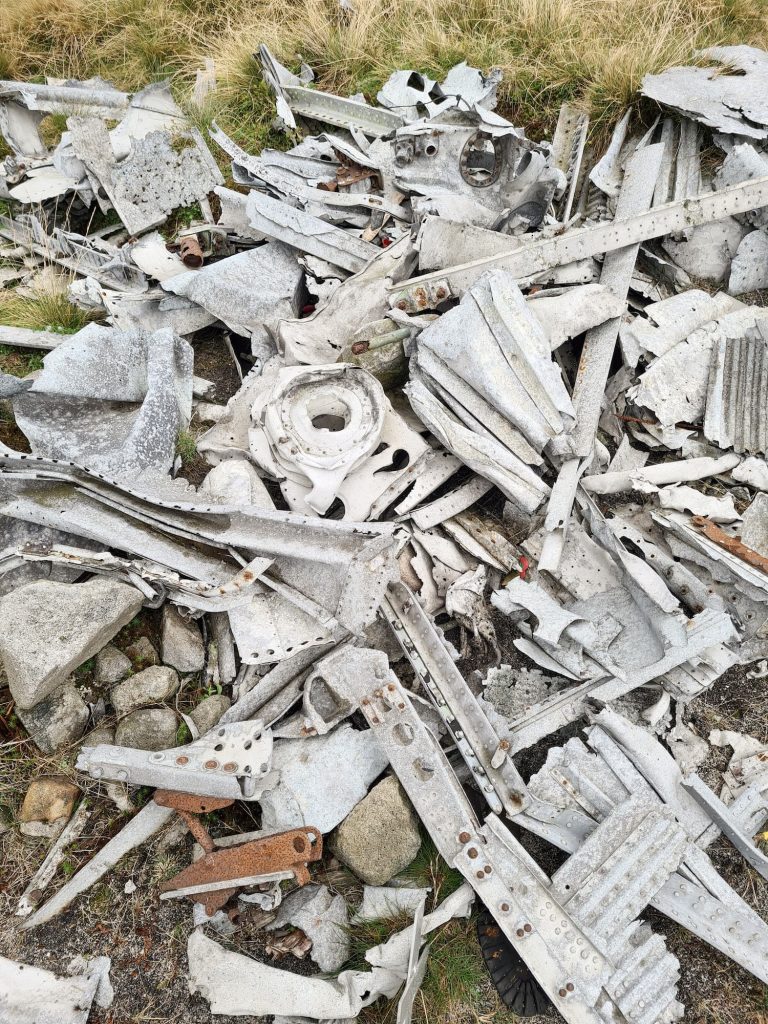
(730, 543)
(218, 874)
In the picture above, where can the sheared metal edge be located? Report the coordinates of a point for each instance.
(722, 817)
(144, 573)
(695, 896)
(274, 219)
(510, 883)
(594, 365)
(78, 514)
(728, 98)
(141, 827)
(705, 630)
(363, 554)
(478, 742)
(584, 243)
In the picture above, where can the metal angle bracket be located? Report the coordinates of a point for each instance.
(725, 820)
(216, 876)
(584, 243)
(568, 961)
(485, 753)
(232, 762)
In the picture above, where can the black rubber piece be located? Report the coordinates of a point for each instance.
(515, 983)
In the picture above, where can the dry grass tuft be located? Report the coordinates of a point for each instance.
(591, 51)
(46, 309)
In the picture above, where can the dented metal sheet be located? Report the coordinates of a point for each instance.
(269, 218)
(159, 173)
(728, 96)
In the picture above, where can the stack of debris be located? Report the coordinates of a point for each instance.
(490, 383)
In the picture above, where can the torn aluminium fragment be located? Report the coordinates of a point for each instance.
(495, 344)
(72, 412)
(335, 570)
(160, 173)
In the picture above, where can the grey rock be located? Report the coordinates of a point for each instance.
(101, 734)
(380, 838)
(321, 778)
(58, 720)
(142, 653)
(209, 711)
(754, 529)
(152, 686)
(147, 729)
(51, 628)
(182, 644)
(323, 918)
(111, 665)
(43, 829)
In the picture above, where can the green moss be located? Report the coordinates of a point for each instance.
(186, 447)
(179, 219)
(18, 362)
